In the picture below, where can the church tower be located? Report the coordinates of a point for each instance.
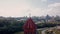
(29, 27)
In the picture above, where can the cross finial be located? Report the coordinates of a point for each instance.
(29, 14)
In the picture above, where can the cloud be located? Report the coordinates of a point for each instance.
(20, 7)
(53, 1)
(13, 8)
(44, 0)
(54, 9)
(37, 3)
(24, 7)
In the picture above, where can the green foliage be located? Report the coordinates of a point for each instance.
(43, 25)
(10, 26)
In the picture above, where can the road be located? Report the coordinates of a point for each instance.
(44, 29)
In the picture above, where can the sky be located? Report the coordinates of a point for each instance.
(19, 8)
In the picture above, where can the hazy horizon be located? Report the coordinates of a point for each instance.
(20, 8)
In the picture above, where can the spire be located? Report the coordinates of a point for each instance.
(29, 14)
(29, 27)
